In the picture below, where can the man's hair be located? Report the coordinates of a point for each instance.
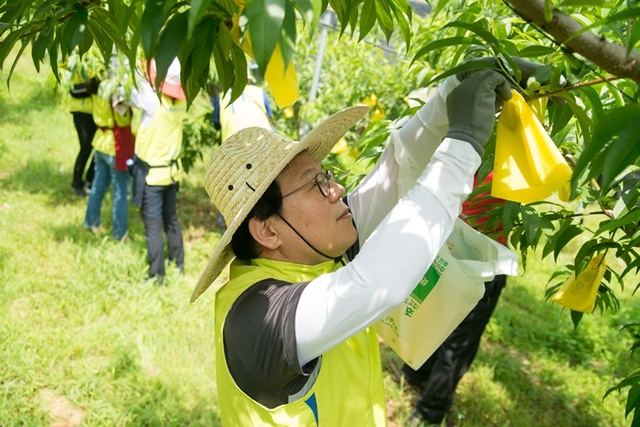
(243, 244)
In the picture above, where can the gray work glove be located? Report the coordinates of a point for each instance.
(527, 69)
(472, 107)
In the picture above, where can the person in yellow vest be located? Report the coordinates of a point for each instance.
(81, 107)
(157, 166)
(314, 269)
(113, 144)
(251, 108)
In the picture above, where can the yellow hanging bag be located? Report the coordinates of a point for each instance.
(528, 166)
(281, 78)
(579, 294)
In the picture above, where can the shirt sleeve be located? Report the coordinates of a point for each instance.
(408, 151)
(392, 260)
(260, 342)
(146, 99)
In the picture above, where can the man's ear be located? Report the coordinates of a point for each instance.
(263, 233)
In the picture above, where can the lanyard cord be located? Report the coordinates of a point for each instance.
(337, 259)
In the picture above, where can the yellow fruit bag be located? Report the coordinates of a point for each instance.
(579, 294)
(281, 78)
(528, 166)
(282, 81)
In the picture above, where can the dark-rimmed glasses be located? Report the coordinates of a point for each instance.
(323, 180)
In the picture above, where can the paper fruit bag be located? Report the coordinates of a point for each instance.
(528, 166)
(579, 294)
(448, 291)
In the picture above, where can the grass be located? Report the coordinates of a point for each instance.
(85, 340)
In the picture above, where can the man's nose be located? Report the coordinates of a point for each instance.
(336, 191)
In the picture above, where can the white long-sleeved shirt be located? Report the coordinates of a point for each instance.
(404, 210)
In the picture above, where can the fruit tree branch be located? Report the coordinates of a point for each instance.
(609, 56)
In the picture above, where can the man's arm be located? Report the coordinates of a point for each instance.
(405, 157)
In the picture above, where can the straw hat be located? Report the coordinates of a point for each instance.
(247, 163)
(171, 85)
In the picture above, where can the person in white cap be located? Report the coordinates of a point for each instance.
(314, 269)
(157, 168)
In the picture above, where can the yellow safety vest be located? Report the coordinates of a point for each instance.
(159, 143)
(246, 111)
(80, 105)
(348, 390)
(105, 119)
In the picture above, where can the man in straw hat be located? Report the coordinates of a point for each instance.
(157, 167)
(293, 339)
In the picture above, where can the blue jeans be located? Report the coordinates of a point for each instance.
(105, 173)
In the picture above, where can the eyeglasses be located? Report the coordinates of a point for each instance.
(323, 180)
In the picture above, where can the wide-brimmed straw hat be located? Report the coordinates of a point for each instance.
(247, 163)
(171, 85)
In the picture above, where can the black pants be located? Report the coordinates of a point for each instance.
(438, 377)
(86, 128)
(158, 214)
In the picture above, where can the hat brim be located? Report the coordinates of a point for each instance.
(166, 88)
(318, 143)
(174, 91)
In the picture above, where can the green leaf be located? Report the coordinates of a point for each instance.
(630, 380)
(224, 67)
(574, 3)
(617, 17)
(74, 29)
(535, 51)
(623, 152)
(631, 218)
(196, 56)
(559, 116)
(288, 36)
(402, 11)
(198, 8)
(634, 36)
(352, 12)
(39, 47)
(383, 12)
(438, 7)
(464, 67)
(576, 317)
(610, 125)
(442, 43)
(531, 224)
(586, 123)
(7, 44)
(477, 30)
(310, 13)
(239, 62)
(340, 8)
(171, 40)
(266, 18)
(367, 18)
(596, 102)
(633, 399)
(152, 19)
(102, 39)
(565, 237)
(633, 265)
(86, 43)
(111, 32)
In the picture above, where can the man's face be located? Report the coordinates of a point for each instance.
(325, 222)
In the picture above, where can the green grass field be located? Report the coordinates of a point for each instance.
(84, 340)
